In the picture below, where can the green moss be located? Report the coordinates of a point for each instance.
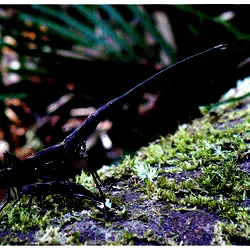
(31, 214)
(216, 150)
(12, 240)
(200, 167)
(23, 216)
(220, 239)
(240, 226)
(53, 236)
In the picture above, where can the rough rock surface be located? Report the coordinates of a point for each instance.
(190, 188)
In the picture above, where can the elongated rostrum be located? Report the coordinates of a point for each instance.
(54, 165)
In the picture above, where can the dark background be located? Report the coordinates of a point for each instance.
(100, 73)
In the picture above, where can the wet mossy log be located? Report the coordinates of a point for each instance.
(189, 188)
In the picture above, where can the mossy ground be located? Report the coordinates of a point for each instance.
(190, 188)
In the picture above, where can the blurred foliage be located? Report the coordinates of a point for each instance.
(101, 31)
(37, 39)
(110, 32)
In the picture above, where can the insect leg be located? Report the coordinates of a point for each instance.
(94, 173)
(15, 192)
(18, 199)
(58, 187)
(96, 180)
(81, 147)
(4, 205)
(8, 197)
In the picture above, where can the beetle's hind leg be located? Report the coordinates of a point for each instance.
(9, 196)
(4, 205)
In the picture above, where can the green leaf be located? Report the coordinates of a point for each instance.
(146, 21)
(203, 16)
(89, 35)
(136, 37)
(90, 39)
(53, 26)
(91, 16)
(12, 95)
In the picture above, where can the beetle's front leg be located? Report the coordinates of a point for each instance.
(76, 150)
(82, 150)
(83, 155)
